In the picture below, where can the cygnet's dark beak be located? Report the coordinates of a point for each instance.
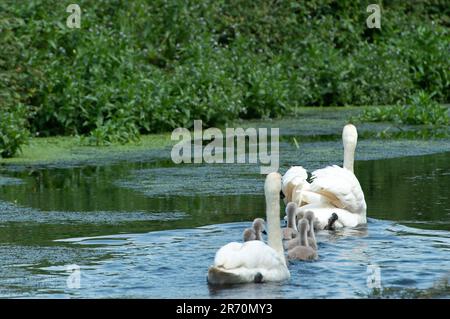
(282, 195)
(264, 232)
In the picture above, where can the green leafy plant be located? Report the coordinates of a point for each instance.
(421, 109)
(137, 67)
(13, 132)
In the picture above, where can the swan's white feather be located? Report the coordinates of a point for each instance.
(340, 183)
(296, 174)
(294, 180)
(323, 212)
(241, 262)
(251, 254)
(219, 275)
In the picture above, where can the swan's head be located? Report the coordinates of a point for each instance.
(303, 226)
(299, 214)
(349, 136)
(272, 186)
(309, 215)
(291, 210)
(259, 225)
(249, 234)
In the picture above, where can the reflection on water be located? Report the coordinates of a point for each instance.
(412, 190)
(149, 230)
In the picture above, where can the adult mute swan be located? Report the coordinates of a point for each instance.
(341, 194)
(255, 261)
(334, 189)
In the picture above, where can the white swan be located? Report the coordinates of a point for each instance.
(334, 189)
(342, 194)
(255, 261)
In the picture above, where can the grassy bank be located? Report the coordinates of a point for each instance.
(307, 125)
(68, 150)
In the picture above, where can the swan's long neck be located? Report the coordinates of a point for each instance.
(349, 157)
(349, 139)
(273, 222)
(303, 237)
(291, 220)
(311, 231)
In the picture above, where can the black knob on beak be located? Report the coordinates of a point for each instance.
(333, 218)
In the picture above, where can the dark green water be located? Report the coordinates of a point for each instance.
(133, 228)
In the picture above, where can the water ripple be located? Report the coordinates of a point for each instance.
(173, 264)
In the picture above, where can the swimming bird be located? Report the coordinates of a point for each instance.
(333, 189)
(342, 195)
(255, 261)
(309, 216)
(311, 237)
(303, 251)
(256, 231)
(290, 231)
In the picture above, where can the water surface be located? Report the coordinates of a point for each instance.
(150, 229)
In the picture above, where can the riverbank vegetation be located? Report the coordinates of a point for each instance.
(308, 126)
(138, 67)
(421, 110)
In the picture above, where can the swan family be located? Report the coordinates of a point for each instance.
(255, 261)
(332, 198)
